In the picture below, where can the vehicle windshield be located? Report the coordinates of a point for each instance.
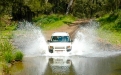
(60, 39)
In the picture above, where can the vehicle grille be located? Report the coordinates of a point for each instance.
(59, 47)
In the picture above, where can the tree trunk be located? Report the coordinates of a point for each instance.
(69, 5)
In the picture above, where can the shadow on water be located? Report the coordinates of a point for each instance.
(76, 65)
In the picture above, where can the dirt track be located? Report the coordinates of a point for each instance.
(72, 28)
(69, 28)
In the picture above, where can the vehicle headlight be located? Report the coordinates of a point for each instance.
(51, 47)
(68, 47)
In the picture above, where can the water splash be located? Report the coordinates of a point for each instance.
(86, 43)
(30, 40)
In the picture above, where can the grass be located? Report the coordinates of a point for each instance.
(6, 46)
(8, 56)
(7, 50)
(18, 55)
(9, 53)
(110, 27)
(53, 21)
(5, 69)
(109, 36)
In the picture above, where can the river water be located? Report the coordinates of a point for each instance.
(88, 56)
(72, 65)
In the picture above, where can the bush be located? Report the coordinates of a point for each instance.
(8, 56)
(7, 51)
(18, 56)
(5, 46)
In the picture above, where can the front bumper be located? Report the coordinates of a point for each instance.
(59, 49)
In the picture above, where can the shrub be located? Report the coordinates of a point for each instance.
(7, 51)
(8, 56)
(18, 56)
(5, 46)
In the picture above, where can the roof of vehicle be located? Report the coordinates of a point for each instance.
(60, 34)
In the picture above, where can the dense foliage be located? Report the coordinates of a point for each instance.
(111, 21)
(95, 8)
(27, 9)
(110, 27)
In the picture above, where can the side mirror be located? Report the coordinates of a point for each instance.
(48, 41)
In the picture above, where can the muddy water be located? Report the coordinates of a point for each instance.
(71, 65)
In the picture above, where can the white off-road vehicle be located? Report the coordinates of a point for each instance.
(60, 42)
